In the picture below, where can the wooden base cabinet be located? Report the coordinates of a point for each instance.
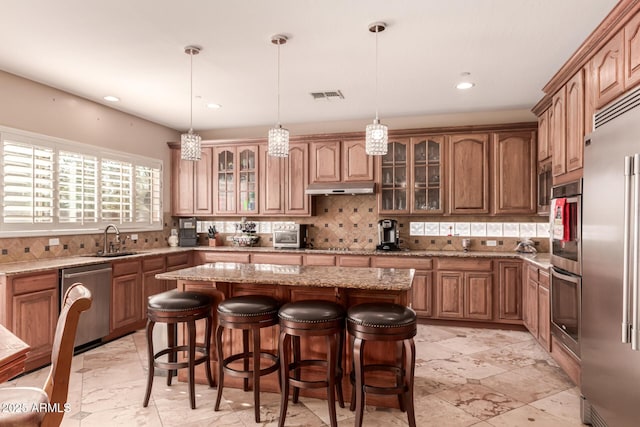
(537, 304)
(126, 297)
(31, 313)
(464, 289)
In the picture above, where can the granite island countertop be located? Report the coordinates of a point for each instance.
(386, 279)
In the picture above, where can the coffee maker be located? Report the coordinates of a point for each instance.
(187, 233)
(388, 235)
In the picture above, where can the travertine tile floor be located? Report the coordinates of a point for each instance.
(464, 377)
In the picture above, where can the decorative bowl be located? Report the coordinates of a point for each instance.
(245, 240)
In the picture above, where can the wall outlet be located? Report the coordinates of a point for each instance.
(54, 242)
(492, 243)
(134, 237)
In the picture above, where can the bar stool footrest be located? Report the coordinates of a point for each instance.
(172, 366)
(248, 374)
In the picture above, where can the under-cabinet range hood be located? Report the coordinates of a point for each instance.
(340, 188)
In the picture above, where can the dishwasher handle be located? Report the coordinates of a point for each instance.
(85, 273)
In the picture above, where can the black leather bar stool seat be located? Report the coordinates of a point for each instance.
(383, 322)
(248, 313)
(308, 319)
(174, 307)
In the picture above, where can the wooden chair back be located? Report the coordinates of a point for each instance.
(76, 300)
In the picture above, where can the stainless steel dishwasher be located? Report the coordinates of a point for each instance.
(94, 323)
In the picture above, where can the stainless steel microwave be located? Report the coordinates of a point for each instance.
(290, 236)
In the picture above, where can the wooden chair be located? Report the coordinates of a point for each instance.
(53, 396)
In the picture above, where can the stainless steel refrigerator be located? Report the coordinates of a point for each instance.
(610, 330)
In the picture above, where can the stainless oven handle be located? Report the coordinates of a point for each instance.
(628, 171)
(566, 277)
(635, 319)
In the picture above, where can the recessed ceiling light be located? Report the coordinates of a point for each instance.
(465, 85)
(111, 98)
(214, 105)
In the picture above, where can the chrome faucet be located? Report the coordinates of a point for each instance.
(109, 249)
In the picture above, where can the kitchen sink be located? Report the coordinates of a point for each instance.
(114, 254)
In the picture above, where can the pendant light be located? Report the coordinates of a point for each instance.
(190, 147)
(377, 134)
(278, 145)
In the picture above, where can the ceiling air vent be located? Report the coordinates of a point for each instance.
(329, 95)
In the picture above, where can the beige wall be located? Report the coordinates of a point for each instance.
(34, 107)
(411, 122)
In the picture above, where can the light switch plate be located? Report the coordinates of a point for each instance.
(492, 243)
(54, 242)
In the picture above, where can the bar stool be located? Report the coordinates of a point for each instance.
(309, 319)
(383, 322)
(173, 307)
(248, 313)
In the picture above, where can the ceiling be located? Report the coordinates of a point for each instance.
(135, 51)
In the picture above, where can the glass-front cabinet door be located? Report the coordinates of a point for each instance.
(428, 175)
(394, 168)
(247, 180)
(226, 186)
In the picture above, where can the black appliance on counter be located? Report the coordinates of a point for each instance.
(388, 235)
(187, 234)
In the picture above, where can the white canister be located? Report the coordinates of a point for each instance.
(173, 238)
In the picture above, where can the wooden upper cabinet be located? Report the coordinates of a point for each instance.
(325, 161)
(544, 146)
(191, 184)
(607, 67)
(335, 161)
(297, 180)
(272, 188)
(632, 52)
(428, 175)
(394, 173)
(356, 164)
(469, 174)
(236, 176)
(557, 132)
(575, 122)
(514, 173)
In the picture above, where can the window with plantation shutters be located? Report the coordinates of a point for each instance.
(77, 188)
(148, 195)
(28, 183)
(116, 191)
(52, 186)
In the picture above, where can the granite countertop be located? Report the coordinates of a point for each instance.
(541, 260)
(388, 279)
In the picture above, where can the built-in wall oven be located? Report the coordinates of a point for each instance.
(566, 263)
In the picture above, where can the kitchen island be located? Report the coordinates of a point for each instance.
(347, 286)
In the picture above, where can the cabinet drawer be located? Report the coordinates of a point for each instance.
(397, 262)
(473, 264)
(532, 272)
(153, 263)
(35, 282)
(243, 258)
(354, 261)
(125, 267)
(320, 260)
(543, 279)
(278, 259)
(175, 260)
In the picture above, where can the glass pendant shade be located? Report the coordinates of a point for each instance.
(190, 148)
(278, 145)
(377, 139)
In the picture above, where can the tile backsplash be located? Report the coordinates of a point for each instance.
(346, 221)
(339, 222)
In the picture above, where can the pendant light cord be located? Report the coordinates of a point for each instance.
(377, 27)
(191, 95)
(278, 84)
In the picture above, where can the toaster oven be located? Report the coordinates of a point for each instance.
(291, 236)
